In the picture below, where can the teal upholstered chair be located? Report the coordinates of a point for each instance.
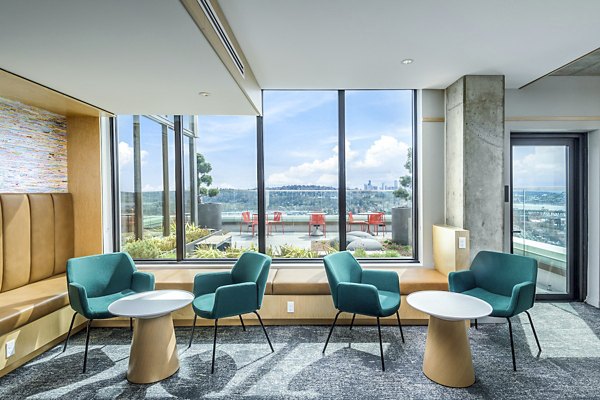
(94, 282)
(362, 291)
(505, 281)
(236, 292)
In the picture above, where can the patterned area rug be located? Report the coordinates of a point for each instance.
(568, 368)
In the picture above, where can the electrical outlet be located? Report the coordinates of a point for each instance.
(462, 242)
(10, 348)
(290, 306)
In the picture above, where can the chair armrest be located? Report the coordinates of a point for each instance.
(382, 280)
(358, 298)
(210, 282)
(78, 299)
(461, 281)
(142, 281)
(239, 298)
(523, 296)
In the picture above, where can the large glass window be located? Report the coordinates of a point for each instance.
(221, 198)
(146, 152)
(379, 184)
(299, 164)
(301, 173)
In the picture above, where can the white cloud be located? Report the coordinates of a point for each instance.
(386, 153)
(126, 154)
(544, 167)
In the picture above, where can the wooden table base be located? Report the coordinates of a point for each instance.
(447, 358)
(153, 355)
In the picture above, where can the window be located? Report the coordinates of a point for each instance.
(379, 184)
(301, 173)
(222, 164)
(221, 198)
(146, 151)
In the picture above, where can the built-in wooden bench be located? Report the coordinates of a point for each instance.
(307, 288)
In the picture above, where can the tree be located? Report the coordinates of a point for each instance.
(203, 168)
(404, 192)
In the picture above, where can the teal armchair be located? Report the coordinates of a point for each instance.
(358, 291)
(94, 282)
(505, 281)
(236, 292)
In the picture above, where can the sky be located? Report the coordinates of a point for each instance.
(542, 167)
(300, 136)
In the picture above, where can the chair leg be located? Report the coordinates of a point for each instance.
(87, 342)
(512, 345)
(400, 326)
(131, 324)
(476, 327)
(352, 323)
(212, 368)
(264, 330)
(69, 333)
(242, 321)
(193, 329)
(534, 333)
(331, 330)
(380, 345)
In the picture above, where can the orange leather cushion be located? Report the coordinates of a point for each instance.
(30, 302)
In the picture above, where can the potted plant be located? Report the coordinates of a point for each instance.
(209, 214)
(401, 216)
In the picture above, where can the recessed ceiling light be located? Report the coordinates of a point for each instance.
(407, 61)
(204, 94)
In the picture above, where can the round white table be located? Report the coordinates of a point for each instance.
(447, 358)
(153, 354)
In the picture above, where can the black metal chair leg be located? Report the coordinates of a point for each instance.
(400, 326)
(242, 321)
(87, 342)
(476, 327)
(193, 329)
(352, 323)
(264, 330)
(69, 333)
(331, 330)
(512, 345)
(380, 345)
(212, 369)
(534, 333)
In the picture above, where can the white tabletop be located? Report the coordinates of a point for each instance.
(151, 304)
(448, 305)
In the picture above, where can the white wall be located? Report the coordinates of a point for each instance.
(563, 104)
(430, 129)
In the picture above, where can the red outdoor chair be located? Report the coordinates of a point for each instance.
(249, 222)
(351, 221)
(317, 220)
(378, 220)
(277, 220)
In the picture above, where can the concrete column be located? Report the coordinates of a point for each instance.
(475, 159)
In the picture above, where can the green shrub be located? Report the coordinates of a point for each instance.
(193, 232)
(360, 253)
(142, 249)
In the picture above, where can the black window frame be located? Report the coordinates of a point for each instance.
(179, 131)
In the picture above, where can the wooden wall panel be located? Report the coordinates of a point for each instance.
(85, 183)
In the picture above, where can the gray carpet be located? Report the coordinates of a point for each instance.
(568, 368)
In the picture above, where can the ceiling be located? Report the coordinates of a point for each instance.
(360, 44)
(148, 56)
(588, 65)
(127, 57)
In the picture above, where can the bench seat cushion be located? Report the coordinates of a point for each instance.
(183, 279)
(314, 281)
(30, 302)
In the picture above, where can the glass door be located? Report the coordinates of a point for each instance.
(545, 209)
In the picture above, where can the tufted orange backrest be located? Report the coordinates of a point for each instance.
(36, 237)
